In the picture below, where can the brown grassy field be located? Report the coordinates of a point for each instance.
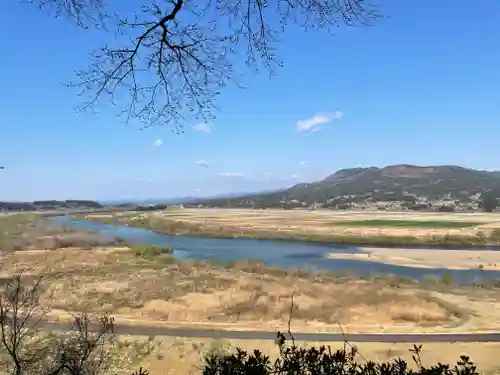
(30, 231)
(322, 222)
(83, 272)
(161, 355)
(356, 225)
(245, 295)
(155, 289)
(185, 355)
(323, 226)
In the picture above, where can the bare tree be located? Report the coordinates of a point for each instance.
(170, 59)
(85, 350)
(19, 313)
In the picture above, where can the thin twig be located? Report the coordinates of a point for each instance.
(290, 319)
(172, 61)
(347, 342)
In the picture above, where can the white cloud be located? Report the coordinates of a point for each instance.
(158, 143)
(198, 190)
(316, 122)
(338, 114)
(295, 176)
(303, 162)
(203, 163)
(231, 174)
(203, 127)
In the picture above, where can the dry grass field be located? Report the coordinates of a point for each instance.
(347, 227)
(185, 355)
(87, 275)
(165, 292)
(357, 228)
(163, 355)
(246, 296)
(321, 222)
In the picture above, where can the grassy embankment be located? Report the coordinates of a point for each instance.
(169, 226)
(31, 231)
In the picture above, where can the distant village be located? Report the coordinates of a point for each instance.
(355, 202)
(409, 202)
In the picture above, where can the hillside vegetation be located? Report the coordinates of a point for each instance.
(392, 183)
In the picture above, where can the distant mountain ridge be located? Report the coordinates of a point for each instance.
(49, 205)
(174, 200)
(388, 183)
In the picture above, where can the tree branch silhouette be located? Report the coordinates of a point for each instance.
(169, 61)
(86, 13)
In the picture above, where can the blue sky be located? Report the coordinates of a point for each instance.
(420, 87)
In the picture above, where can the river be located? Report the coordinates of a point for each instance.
(275, 253)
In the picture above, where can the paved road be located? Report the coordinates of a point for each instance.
(265, 335)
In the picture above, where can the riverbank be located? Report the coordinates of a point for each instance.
(168, 223)
(146, 285)
(425, 258)
(161, 290)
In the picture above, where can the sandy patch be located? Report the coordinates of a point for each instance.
(428, 258)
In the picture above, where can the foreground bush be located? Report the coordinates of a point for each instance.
(323, 361)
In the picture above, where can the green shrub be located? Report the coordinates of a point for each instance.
(151, 252)
(447, 279)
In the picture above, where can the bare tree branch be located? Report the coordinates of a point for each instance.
(20, 312)
(85, 350)
(86, 13)
(290, 315)
(170, 60)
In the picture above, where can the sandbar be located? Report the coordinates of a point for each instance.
(427, 258)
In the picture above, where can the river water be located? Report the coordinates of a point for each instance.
(275, 253)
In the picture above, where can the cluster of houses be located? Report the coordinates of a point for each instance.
(411, 202)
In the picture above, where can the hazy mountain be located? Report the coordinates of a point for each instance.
(176, 200)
